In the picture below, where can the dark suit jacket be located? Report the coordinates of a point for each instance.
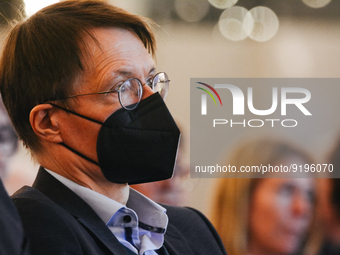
(12, 238)
(59, 222)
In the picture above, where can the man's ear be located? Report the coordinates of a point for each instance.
(45, 124)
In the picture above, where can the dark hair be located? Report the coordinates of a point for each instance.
(335, 195)
(44, 55)
(335, 182)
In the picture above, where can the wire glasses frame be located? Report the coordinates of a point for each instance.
(130, 91)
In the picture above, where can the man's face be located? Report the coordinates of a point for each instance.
(121, 56)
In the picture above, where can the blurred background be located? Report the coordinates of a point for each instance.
(226, 39)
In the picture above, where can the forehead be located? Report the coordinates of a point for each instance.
(298, 183)
(116, 49)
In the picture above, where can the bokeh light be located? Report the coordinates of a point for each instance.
(231, 23)
(32, 6)
(261, 24)
(222, 4)
(192, 10)
(316, 3)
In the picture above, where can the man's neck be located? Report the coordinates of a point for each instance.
(115, 191)
(92, 179)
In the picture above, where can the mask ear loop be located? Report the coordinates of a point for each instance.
(84, 117)
(79, 115)
(79, 154)
(68, 147)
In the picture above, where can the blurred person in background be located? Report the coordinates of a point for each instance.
(8, 141)
(330, 207)
(12, 238)
(13, 177)
(265, 216)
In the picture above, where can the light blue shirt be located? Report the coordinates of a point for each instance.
(142, 221)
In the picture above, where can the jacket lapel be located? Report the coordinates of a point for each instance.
(73, 204)
(175, 243)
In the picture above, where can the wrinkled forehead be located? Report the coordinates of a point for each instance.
(113, 44)
(112, 55)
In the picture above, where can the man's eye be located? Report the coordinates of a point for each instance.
(116, 86)
(122, 89)
(149, 83)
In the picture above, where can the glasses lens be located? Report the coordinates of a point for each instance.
(160, 84)
(130, 93)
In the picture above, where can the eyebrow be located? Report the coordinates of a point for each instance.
(152, 70)
(126, 73)
(121, 73)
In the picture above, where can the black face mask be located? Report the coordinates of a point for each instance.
(136, 146)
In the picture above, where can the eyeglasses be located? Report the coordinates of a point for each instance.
(130, 91)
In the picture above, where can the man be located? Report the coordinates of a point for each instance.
(12, 238)
(79, 83)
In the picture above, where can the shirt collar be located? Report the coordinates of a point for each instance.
(149, 213)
